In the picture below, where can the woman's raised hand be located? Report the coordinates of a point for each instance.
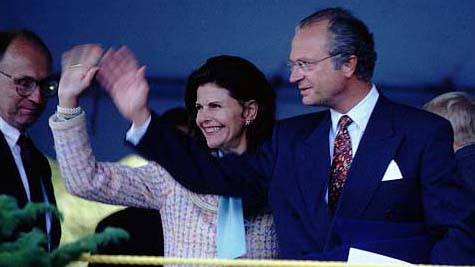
(79, 65)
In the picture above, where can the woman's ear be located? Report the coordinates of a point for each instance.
(250, 110)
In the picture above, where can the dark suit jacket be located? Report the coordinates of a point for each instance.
(466, 164)
(428, 216)
(11, 184)
(145, 230)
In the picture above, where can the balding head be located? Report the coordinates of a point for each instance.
(23, 59)
(29, 37)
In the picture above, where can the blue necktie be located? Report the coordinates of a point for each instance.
(231, 236)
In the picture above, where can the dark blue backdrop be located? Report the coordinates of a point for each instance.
(424, 46)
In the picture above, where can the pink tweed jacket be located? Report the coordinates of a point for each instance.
(189, 220)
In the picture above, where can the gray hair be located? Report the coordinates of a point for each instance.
(460, 111)
(349, 36)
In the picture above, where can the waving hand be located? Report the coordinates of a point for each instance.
(125, 81)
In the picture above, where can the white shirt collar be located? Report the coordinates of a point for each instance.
(11, 133)
(360, 113)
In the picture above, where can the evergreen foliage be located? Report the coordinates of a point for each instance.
(27, 249)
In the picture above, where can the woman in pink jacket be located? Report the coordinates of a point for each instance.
(232, 107)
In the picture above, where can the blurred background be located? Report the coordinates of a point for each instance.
(425, 48)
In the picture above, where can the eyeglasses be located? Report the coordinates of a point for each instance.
(26, 86)
(307, 66)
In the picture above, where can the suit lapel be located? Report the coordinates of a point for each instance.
(377, 148)
(314, 165)
(43, 171)
(13, 186)
(11, 181)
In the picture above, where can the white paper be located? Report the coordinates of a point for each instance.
(359, 256)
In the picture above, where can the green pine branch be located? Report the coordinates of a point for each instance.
(27, 249)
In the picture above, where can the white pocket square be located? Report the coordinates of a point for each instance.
(392, 172)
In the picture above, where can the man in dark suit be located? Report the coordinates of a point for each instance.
(25, 82)
(367, 173)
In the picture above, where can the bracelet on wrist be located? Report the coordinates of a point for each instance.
(69, 111)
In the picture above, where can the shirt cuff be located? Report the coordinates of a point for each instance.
(135, 134)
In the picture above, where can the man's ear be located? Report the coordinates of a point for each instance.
(250, 110)
(349, 67)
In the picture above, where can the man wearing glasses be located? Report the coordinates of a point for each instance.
(367, 173)
(25, 84)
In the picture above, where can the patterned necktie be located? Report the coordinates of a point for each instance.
(342, 155)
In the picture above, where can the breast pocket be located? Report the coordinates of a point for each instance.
(397, 200)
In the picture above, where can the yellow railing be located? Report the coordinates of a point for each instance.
(149, 260)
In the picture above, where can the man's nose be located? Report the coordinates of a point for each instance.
(295, 75)
(36, 95)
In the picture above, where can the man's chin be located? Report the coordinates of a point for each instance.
(308, 101)
(26, 122)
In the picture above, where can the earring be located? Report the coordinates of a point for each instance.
(248, 122)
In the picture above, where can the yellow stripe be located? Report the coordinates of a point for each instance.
(143, 260)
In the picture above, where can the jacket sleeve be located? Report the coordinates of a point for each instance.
(449, 206)
(107, 182)
(192, 165)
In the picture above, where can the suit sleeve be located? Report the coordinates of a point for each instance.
(192, 165)
(449, 206)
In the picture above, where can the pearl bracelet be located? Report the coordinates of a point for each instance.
(69, 111)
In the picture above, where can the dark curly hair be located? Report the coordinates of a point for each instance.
(245, 82)
(349, 36)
